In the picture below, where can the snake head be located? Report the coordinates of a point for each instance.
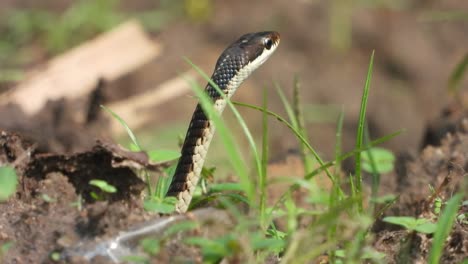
(244, 56)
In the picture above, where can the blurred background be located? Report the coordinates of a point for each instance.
(325, 44)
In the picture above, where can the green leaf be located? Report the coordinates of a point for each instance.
(162, 155)
(8, 182)
(5, 247)
(426, 228)
(370, 253)
(95, 196)
(273, 244)
(165, 206)
(212, 250)
(384, 160)
(406, 221)
(420, 225)
(444, 226)
(103, 185)
(55, 256)
(276, 233)
(226, 186)
(150, 246)
(47, 198)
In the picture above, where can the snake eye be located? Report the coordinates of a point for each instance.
(268, 43)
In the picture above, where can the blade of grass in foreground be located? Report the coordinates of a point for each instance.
(287, 106)
(457, 75)
(127, 128)
(360, 135)
(299, 115)
(262, 177)
(444, 226)
(335, 196)
(375, 175)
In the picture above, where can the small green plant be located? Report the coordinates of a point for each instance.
(437, 205)
(420, 225)
(443, 228)
(4, 248)
(8, 182)
(164, 205)
(150, 246)
(156, 202)
(457, 76)
(47, 198)
(55, 256)
(104, 187)
(231, 244)
(78, 203)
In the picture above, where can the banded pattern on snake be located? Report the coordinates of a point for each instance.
(234, 65)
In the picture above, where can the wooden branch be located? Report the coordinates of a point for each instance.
(138, 110)
(75, 73)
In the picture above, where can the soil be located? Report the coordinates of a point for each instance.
(55, 156)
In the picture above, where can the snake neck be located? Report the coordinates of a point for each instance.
(193, 154)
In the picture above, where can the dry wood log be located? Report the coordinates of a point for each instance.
(75, 73)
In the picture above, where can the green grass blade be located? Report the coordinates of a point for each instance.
(457, 75)
(263, 175)
(444, 226)
(338, 140)
(375, 176)
(8, 182)
(124, 124)
(163, 182)
(360, 134)
(335, 196)
(287, 106)
(299, 116)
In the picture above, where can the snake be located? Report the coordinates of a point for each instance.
(233, 66)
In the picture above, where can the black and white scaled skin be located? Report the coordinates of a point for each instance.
(234, 65)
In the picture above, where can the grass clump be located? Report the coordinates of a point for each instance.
(338, 220)
(258, 235)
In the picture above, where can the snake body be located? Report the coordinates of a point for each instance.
(234, 65)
